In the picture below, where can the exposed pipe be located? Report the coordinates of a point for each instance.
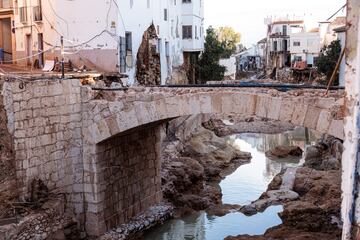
(285, 87)
(253, 85)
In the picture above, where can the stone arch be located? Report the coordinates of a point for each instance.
(320, 114)
(118, 122)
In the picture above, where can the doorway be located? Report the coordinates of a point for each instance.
(41, 49)
(28, 50)
(5, 39)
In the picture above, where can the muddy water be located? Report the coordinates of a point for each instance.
(243, 186)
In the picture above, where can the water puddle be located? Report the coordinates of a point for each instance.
(242, 187)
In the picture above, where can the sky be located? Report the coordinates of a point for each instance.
(247, 16)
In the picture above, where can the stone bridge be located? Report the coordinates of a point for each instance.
(102, 148)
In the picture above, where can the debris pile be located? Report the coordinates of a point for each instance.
(148, 59)
(150, 218)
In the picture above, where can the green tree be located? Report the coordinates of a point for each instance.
(328, 58)
(208, 68)
(228, 39)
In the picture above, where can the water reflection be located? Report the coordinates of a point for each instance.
(201, 226)
(245, 185)
(248, 182)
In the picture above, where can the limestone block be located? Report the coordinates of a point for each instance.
(227, 104)
(312, 117)
(113, 125)
(324, 121)
(205, 103)
(142, 114)
(274, 108)
(194, 104)
(325, 103)
(183, 106)
(336, 129)
(92, 134)
(287, 110)
(104, 131)
(116, 107)
(34, 103)
(40, 91)
(263, 106)
(172, 107)
(244, 103)
(161, 109)
(299, 114)
(216, 103)
(55, 89)
(152, 113)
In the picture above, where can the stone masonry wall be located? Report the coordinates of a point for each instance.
(101, 148)
(131, 171)
(45, 119)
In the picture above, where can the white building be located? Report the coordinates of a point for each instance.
(305, 46)
(106, 35)
(278, 40)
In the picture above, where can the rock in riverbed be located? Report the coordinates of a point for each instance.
(284, 152)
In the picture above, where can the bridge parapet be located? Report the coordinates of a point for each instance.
(118, 112)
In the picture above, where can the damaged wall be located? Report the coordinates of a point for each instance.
(45, 120)
(148, 68)
(130, 178)
(351, 167)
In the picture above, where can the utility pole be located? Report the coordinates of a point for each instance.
(62, 58)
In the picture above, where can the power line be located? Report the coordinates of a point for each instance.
(31, 56)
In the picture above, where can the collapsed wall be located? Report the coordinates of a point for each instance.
(148, 67)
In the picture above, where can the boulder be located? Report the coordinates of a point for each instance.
(284, 152)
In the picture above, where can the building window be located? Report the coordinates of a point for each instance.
(38, 12)
(296, 44)
(284, 30)
(186, 1)
(275, 46)
(285, 45)
(122, 54)
(297, 59)
(196, 32)
(165, 14)
(187, 32)
(23, 14)
(131, 3)
(128, 43)
(148, 3)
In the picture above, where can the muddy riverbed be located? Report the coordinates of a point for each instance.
(240, 186)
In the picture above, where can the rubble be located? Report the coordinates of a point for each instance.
(148, 59)
(244, 124)
(150, 218)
